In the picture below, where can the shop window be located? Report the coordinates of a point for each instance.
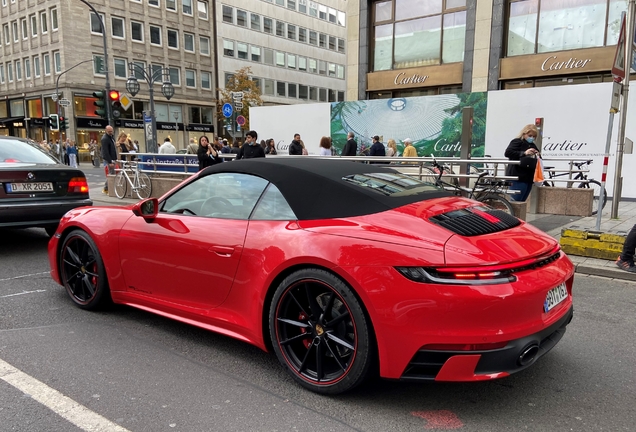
(412, 33)
(195, 114)
(541, 26)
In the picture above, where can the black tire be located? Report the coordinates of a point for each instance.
(82, 271)
(497, 202)
(145, 186)
(121, 183)
(593, 184)
(320, 332)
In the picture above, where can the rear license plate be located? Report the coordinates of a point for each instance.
(30, 187)
(554, 297)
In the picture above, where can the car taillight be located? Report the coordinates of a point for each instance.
(11, 160)
(78, 185)
(457, 276)
(465, 347)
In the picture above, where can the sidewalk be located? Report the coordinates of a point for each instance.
(553, 224)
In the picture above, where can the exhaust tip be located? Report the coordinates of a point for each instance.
(528, 354)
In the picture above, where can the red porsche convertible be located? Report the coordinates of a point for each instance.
(342, 269)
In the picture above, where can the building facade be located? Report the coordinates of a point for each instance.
(416, 48)
(296, 49)
(46, 44)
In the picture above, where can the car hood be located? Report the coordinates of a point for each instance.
(493, 237)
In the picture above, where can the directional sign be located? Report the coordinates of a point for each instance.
(65, 103)
(227, 110)
(237, 95)
(240, 120)
(238, 105)
(54, 97)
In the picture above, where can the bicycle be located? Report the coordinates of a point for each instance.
(487, 191)
(140, 182)
(584, 184)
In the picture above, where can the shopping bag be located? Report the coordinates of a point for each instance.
(538, 172)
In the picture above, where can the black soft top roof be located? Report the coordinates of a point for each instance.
(315, 189)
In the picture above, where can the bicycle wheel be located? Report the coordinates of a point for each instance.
(121, 182)
(429, 175)
(497, 202)
(144, 187)
(597, 187)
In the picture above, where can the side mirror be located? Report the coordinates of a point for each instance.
(147, 209)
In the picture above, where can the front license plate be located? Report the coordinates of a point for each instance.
(30, 187)
(555, 296)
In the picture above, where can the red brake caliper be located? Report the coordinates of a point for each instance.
(306, 342)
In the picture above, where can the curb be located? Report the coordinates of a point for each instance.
(593, 244)
(603, 271)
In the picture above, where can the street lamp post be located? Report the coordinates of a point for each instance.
(151, 77)
(109, 111)
(175, 114)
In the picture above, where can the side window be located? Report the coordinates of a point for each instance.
(221, 195)
(273, 206)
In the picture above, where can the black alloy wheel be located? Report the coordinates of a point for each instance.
(82, 271)
(320, 332)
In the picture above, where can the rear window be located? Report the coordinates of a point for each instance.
(18, 151)
(391, 184)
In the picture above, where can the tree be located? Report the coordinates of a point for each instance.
(241, 81)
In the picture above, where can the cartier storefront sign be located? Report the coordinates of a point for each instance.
(590, 60)
(428, 76)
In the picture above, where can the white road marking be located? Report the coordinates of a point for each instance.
(25, 276)
(23, 292)
(64, 406)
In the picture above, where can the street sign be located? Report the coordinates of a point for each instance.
(618, 68)
(238, 105)
(240, 120)
(227, 110)
(65, 103)
(125, 101)
(237, 95)
(54, 97)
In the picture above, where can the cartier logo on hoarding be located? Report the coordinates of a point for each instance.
(551, 63)
(403, 79)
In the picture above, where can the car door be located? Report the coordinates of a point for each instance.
(188, 255)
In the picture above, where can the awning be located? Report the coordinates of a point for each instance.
(10, 119)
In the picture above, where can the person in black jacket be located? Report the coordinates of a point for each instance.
(351, 147)
(296, 148)
(206, 153)
(251, 148)
(109, 153)
(523, 149)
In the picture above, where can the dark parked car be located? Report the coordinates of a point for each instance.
(35, 189)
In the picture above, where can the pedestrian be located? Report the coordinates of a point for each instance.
(71, 151)
(325, 146)
(226, 147)
(522, 149)
(271, 147)
(109, 154)
(409, 150)
(136, 146)
(66, 144)
(236, 147)
(263, 144)
(92, 149)
(122, 145)
(206, 153)
(391, 148)
(296, 148)
(625, 260)
(193, 147)
(167, 147)
(251, 148)
(377, 148)
(350, 147)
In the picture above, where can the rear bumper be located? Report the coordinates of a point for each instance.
(429, 365)
(38, 213)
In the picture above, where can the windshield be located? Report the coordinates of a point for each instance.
(16, 151)
(391, 184)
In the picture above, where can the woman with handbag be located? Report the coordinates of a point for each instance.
(524, 150)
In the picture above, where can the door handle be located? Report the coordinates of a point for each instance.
(224, 251)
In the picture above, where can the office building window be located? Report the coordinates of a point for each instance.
(96, 23)
(280, 89)
(191, 78)
(268, 56)
(228, 48)
(58, 61)
(291, 32)
(34, 25)
(120, 68)
(10, 71)
(18, 70)
(204, 45)
(410, 33)
(267, 25)
(138, 70)
(153, 3)
(36, 66)
(241, 18)
(291, 90)
(302, 64)
(280, 59)
(206, 80)
(155, 35)
(291, 61)
(171, 5)
(43, 23)
(302, 34)
(186, 7)
(291, 4)
(228, 14)
(137, 31)
(313, 38)
(173, 39)
(332, 43)
(25, 30)
(54, 19)
(313, 66)
(117, 27)
(202, 7)
(341, 46)
(188, 42)
(175, 76)
(255, 53)
(322, 40)
(302, 6)
(268, 87)
(255, 22)
(303, 92)
(241, 50)
(47, 64)
(280, 28)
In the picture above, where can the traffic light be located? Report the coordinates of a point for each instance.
(54, 122)
(114, 95)
(63, 124)
(100, 103)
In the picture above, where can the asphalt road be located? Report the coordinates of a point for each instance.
(147, 373)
